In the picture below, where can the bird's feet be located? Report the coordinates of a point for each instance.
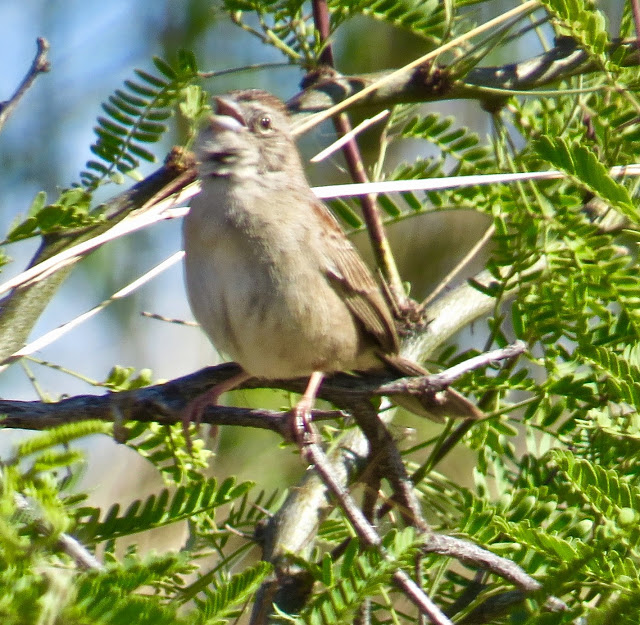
(302, 431)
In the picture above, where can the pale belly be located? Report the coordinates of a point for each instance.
(273, 326)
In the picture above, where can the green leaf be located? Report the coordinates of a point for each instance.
(224, 600)
(164, 68)
(584, 167)
(61, 435)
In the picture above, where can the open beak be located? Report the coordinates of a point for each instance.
(228, 115)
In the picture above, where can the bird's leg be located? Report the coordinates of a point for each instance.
(193, 411)
(301, 414)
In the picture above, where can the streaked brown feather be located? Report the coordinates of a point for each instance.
(350, 276)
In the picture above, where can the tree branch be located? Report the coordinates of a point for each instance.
(163, 403)
(429, 84)
(40, 65)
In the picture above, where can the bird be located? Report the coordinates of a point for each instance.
(270, 275)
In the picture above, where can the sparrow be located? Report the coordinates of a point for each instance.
(270, 275)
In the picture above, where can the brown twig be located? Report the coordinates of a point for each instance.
(473, 555)
(40, 65)
(384, 451)
(379, 242)
(439, 381)
(486, 84)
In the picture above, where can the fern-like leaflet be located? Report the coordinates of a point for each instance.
(157, 511)
(135, 116)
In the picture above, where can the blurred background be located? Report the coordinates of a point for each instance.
(45, 144)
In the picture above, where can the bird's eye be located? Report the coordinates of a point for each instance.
(264, 123)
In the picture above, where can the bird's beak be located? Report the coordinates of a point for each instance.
(228, 115)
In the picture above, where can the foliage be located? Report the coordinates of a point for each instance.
(135, 118)
(555, 488)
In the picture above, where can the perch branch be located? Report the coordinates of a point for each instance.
(164, 402)
(368, 535)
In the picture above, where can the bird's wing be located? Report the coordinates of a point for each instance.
(348, 274)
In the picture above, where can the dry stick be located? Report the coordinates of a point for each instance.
(159, 212)
(471, 554)
(465, 551)
(176, 320)
(453, 182)
(439, 381)
(462, 550)
(448, 279)
(383, 451)
(165, 209)
(162, 403)
(55, 334)
(339, 143)
(40, 65)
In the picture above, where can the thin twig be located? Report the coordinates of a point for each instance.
(375, 228)
(40, 65)
(439, 381)
(450, 277)
(244, 68)
(167, 209)
(383, 452)
(161, 211)
(159, 317)
(60, 331)
(339, 143)
(453, 182)
(469, 553)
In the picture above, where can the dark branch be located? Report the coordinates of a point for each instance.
(369, 536)
(164, 403)
(473, 555)
(355, 164)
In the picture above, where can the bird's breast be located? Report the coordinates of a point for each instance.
(263, 300)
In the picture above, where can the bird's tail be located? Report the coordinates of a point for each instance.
(435, 406)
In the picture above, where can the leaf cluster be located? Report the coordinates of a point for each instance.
(41, 578)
